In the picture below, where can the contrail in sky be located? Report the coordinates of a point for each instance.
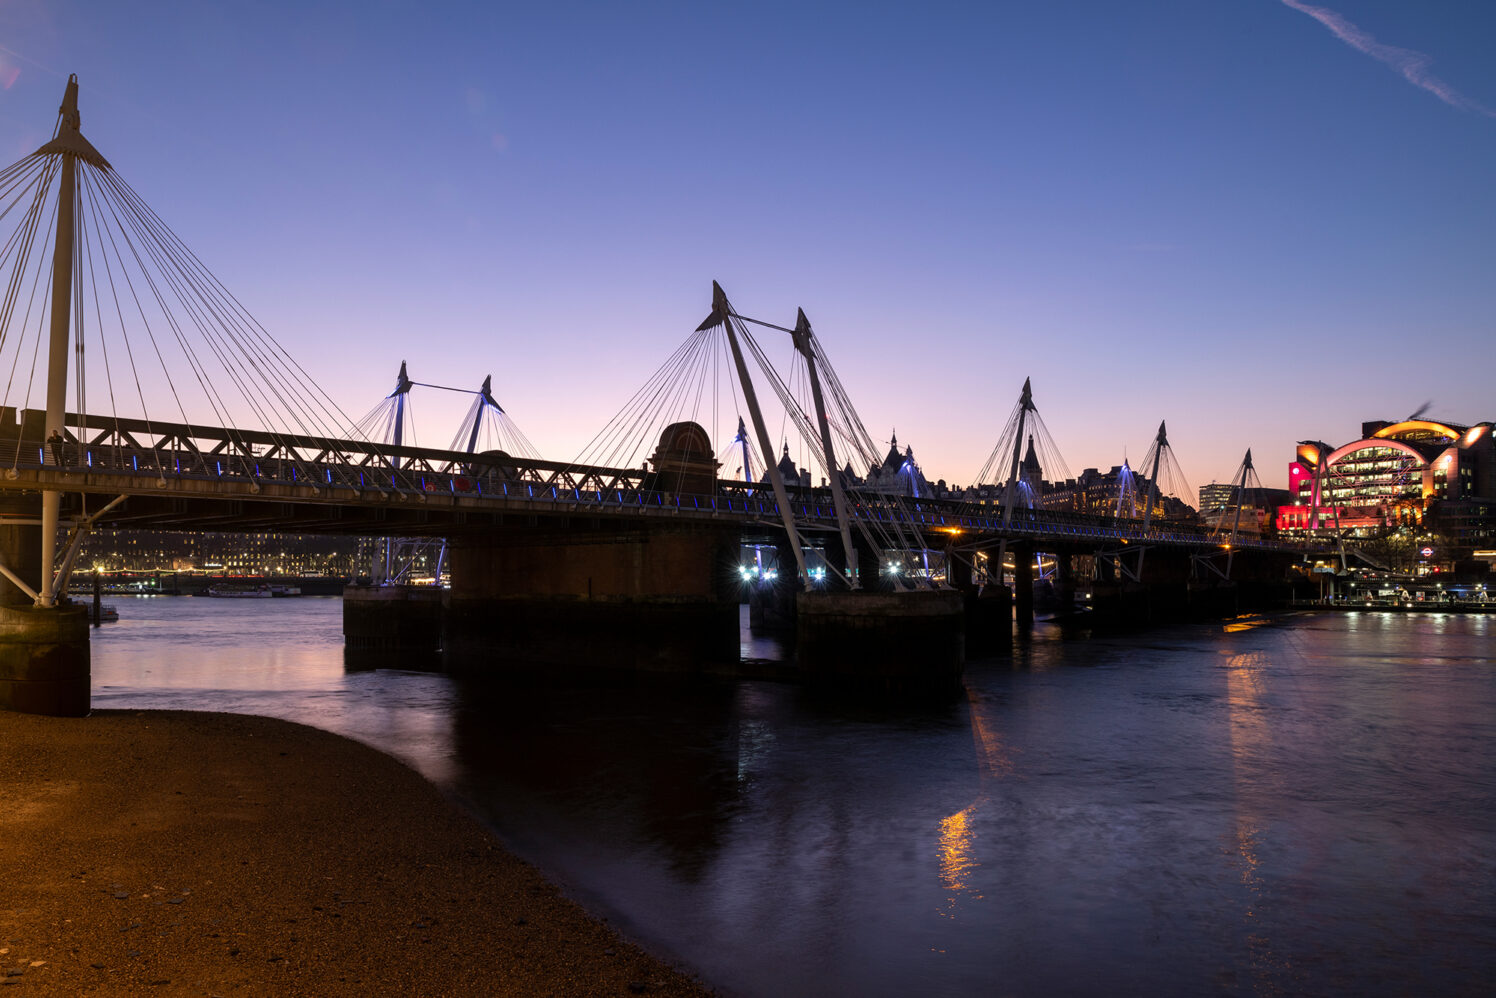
(1412, 65)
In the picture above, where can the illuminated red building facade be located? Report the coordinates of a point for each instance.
(1415, 474)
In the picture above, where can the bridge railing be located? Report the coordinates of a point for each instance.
(245, 461)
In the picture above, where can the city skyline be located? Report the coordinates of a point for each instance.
(1262, 220)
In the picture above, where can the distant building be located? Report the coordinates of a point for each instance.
(1117, 492)
(1417, 474)
(1259, 507)
(792, 476)
(1216, 497)
(109, 550)
(899, 474)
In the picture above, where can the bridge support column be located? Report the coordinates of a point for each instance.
(1162, 596)
(988, 616)
(44, 654)
(771, 601)
(870, 574)
(771, 606)
(1065, 583)
(1023, 585)
(1211, 599)
(659, 598)
(958, 572)
(1115, 603)
(989, 619)
(911, 642)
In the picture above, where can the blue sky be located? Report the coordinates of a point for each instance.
(1261, 221)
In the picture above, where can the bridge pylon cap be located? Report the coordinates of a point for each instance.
(720, 309)
(69, 140)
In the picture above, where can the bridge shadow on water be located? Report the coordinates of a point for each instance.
(556, 761)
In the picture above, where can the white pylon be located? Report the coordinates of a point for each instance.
(70, 145)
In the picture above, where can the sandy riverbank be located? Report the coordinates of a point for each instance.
(167, 853)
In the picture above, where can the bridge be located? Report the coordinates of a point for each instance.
(640, 553)
(182, 477)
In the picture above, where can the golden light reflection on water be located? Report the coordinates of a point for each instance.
(1250, 735)
(956, 862)
(957, 833)
(993, 757)
(1240, 624)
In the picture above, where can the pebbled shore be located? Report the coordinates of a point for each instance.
(178, 853)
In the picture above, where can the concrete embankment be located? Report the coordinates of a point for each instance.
(175, 853)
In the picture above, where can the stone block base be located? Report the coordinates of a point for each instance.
(45, 660)
(882, 642)
(660, 634)
(391, 625)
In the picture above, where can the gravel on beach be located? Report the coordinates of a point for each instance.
(180, 853)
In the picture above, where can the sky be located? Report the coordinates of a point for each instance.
(1263, 221)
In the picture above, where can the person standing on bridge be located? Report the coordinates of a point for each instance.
(56, 441)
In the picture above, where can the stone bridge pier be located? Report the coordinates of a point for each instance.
(44, 653)
(660, 598)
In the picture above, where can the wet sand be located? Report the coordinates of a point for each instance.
(178, 853)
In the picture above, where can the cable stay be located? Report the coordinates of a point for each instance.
(724, 317)
(386, 422)
(1165, 481)
(740, 449)
(1323, 473)
(667, 426)
(1024, 456)
(837, 429)
(1244, 487)
(485, 429)
(131, 343)
(706, 391)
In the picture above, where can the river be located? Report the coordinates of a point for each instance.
(1304, 805)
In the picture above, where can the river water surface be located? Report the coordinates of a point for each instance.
(1298, 806)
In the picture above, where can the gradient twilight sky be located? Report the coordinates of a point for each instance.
(1261, 220)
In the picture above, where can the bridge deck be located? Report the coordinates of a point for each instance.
(197, 477)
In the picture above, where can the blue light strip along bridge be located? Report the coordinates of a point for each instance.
(152, 459)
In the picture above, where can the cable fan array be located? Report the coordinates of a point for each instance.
(1023, 433)
(486, 428)
(891, 535)
(154, 334)
(702, 383)
(1246, 486)
(1163, 478)
(696, 384)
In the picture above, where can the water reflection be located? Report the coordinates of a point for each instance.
(1251, 740)
(1282, 807)
(277, 658)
